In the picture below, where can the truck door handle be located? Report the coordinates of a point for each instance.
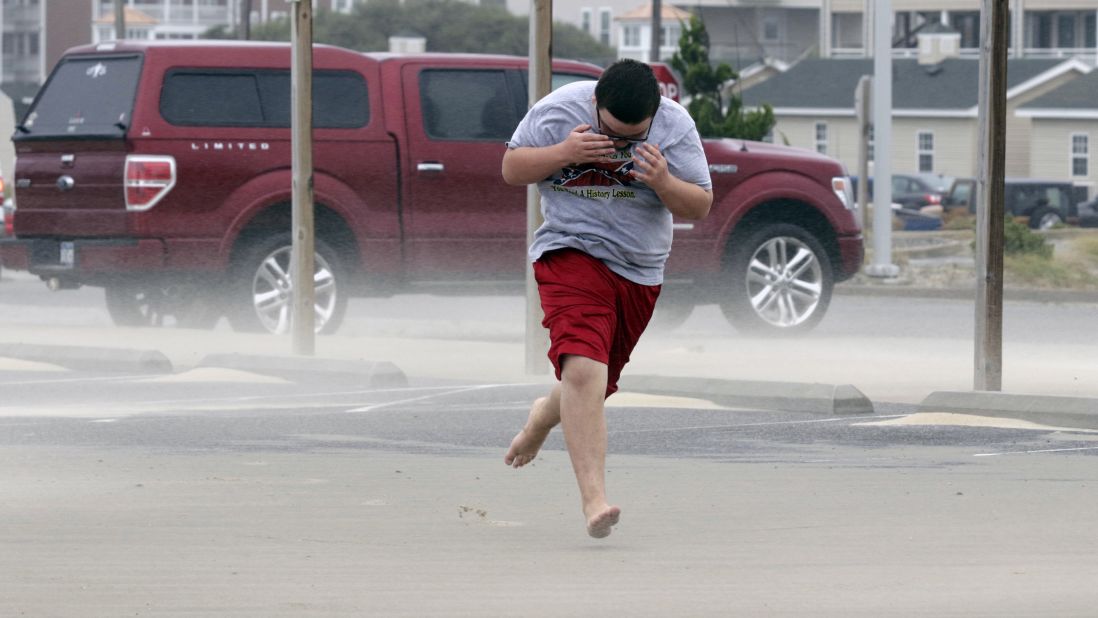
(430, 167)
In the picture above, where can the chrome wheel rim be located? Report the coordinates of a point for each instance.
(784, 281)
(1049, 221)
(272, 292)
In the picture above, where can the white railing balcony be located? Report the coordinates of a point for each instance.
(1059, 52)
(974, 52)
(175, 12)
(21, 16)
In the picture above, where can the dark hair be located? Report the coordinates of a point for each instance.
(628, 89)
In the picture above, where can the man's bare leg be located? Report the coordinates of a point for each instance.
(582, 400)
(544, 416)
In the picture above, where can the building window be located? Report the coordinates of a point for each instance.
(821, 137)
(771, 29)
(631, 36)
(669, 35)
(585, 20)
(604, 26)
(926, 151)
(1065, 30)
(1080, 154)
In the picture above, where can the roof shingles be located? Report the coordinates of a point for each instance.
(818, 83)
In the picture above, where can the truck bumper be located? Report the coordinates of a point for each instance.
(851, 256)
(81, 258)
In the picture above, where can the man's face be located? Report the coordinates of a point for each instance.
(621, 133)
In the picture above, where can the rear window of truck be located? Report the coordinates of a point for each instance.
(84, 97)
(260, 98)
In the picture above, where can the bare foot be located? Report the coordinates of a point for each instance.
(601, 523)
(525, 446)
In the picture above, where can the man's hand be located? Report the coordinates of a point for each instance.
(649, 166)
(527, 165)
(582, 146)
(683, 199)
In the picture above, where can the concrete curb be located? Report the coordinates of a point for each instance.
(1075, 412)
(830, 399)
(372, 373)
(1014, 294)
(90, 358)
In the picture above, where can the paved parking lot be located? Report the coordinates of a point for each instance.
(224, 493)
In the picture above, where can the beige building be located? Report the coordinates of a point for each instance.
(1063, 125)
(934, 110)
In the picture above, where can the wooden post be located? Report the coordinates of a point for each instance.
(657, 27)
(119, 19)
(245, 20)
(541, 80)
(990, 189)
(301, 110)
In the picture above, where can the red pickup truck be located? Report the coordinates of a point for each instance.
(160, 171)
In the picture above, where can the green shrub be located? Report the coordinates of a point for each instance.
(1020, 240)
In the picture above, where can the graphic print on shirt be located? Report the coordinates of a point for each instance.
(602, 180)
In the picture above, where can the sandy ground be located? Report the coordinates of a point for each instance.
(339, 533)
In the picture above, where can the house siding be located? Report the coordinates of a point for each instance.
(954, 141)
(1050, 154)
(954, 145)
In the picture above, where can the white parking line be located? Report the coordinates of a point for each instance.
(1045, 450)
(399, 402)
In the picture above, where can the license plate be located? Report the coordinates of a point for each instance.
(68, 254)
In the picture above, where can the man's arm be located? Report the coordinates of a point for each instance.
(684, 199)
(527, 164)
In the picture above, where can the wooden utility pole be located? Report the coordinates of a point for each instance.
(245, 20)
(301, 110)
(119, 19)
(989, 199)
(541, 80)
(657, 31)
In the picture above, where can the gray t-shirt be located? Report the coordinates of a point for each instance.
(597, 208)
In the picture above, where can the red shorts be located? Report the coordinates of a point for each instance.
(591, 311)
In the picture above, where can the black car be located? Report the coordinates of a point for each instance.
(1042, 203)
(1088, 213)
(914, 191)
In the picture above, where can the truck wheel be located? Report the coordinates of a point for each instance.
(262, 289)
(781, 281)
(146, 304)
(1044, 219)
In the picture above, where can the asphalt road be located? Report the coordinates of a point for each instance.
(215, 493)
(211, 492)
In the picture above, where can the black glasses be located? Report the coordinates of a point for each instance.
(621, 138)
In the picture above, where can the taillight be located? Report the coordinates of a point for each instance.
(933, 198)
(148, 180)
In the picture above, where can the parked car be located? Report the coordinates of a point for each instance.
(914, 191)
(1041, 204)
(1088, 213)
(161, 172)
